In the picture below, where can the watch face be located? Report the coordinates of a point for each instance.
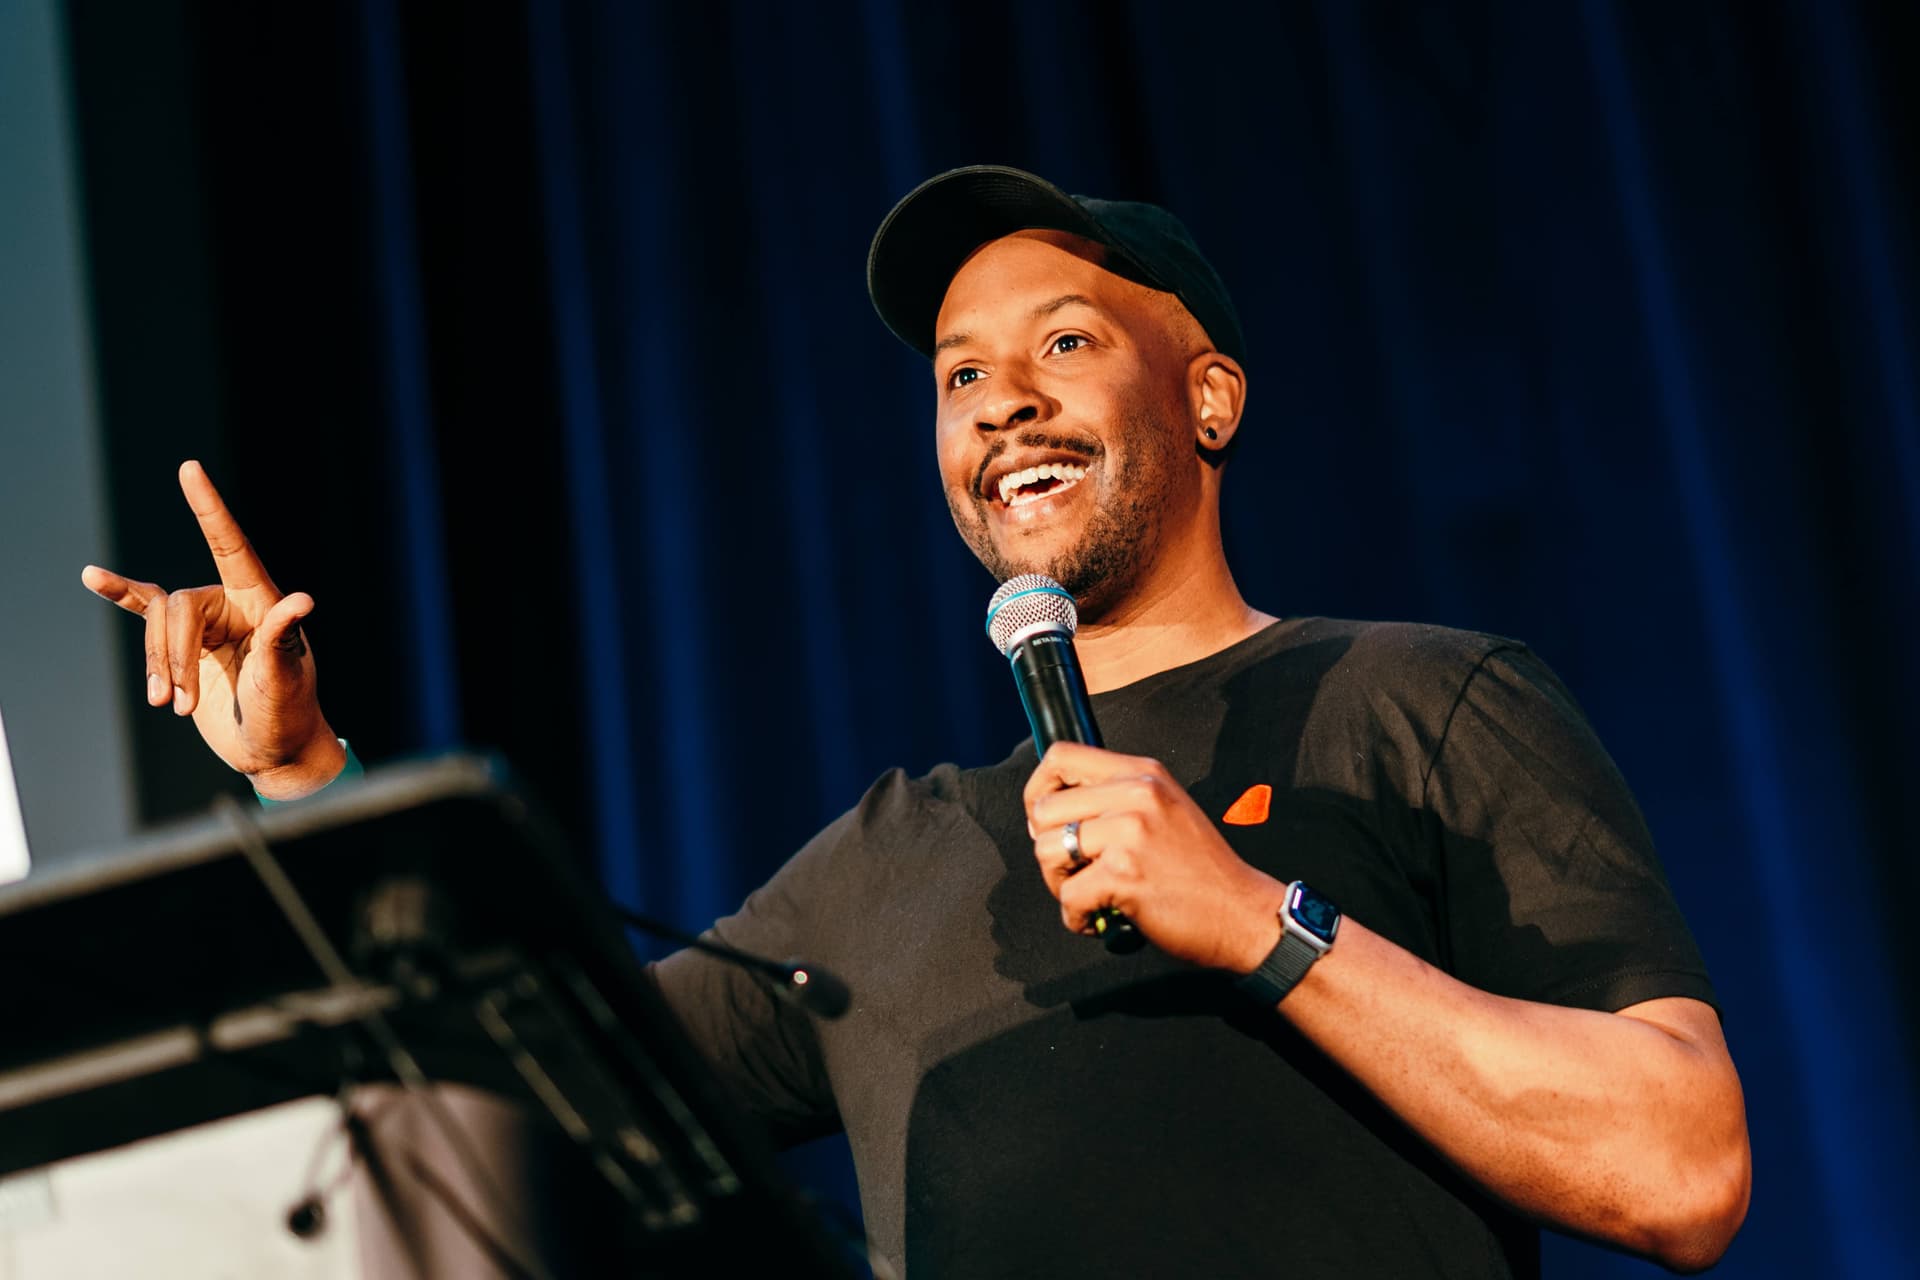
(1315, 913)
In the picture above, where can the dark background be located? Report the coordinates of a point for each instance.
(533, 341)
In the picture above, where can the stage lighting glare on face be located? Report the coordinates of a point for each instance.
(1061, 424)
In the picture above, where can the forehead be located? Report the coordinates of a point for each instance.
(1004, 274)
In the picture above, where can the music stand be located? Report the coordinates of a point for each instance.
(423, 925)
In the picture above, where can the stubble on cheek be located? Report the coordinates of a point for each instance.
(1106, 555)
(970, 518)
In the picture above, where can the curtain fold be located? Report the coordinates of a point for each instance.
(1591, 325)
(1522, 290)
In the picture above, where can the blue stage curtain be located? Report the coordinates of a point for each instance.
(1591, 324)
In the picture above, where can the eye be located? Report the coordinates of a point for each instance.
(1067, 342)
(964, 376)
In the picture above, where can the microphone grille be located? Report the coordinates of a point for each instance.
(1022, 603)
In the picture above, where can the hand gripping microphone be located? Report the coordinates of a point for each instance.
(1031, 620)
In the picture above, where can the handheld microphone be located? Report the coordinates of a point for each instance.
(1031, 620)
(795, 981)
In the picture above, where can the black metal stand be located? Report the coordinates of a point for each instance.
(421, 926)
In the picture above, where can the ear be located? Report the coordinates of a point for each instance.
(1216, 396)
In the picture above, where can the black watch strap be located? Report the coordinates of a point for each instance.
(1282, 970)
(1308, 925)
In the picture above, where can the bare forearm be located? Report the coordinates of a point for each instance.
(1627, 1127)
(1608, 1125)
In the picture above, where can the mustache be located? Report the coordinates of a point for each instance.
(1033, 440)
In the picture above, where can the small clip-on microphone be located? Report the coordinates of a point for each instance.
(795, 981)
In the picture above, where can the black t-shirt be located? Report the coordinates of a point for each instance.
(1020, 1102)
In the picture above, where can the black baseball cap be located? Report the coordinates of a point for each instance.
(921, 244)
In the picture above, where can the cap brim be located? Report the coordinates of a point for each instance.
(922, 243)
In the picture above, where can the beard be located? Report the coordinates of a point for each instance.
(1102, 564)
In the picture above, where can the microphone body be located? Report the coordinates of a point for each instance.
(1031, 620)
(1047, 670)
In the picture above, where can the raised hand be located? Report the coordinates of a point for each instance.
(232, 656)
(1145, 848)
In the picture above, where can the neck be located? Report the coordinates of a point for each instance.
(1180, 614)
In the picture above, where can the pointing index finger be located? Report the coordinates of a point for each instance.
(240, 568)
(132, 596)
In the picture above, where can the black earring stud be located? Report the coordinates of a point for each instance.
(1211, 433)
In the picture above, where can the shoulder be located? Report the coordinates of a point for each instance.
(900, 805)
(898, 817)
(1402, 662)
(897, 796)
(1377, 695)
(1383, 648)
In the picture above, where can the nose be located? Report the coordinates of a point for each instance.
(1013, 401)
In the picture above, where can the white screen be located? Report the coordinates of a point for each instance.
(13, 830)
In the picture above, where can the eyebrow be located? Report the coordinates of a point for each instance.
(1040, 312)
(1046, 309)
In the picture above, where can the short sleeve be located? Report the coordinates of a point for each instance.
(764, 1051)
(1552, 889)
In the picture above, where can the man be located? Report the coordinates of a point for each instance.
(1417, 981)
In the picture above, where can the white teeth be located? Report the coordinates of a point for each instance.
(1067, 473)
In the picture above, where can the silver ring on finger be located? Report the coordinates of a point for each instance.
(1070, 841)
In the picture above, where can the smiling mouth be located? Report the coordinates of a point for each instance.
(1044, 481)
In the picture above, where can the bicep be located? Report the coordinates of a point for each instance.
(763, 1052)
(1707, 1093)
(1709, 1087)
(1553, 890)
(1694, 1023)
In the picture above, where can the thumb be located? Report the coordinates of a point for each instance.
(279, 632)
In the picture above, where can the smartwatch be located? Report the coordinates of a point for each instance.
(1308, 924)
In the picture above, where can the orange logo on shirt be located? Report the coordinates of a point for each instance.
(1250, 810)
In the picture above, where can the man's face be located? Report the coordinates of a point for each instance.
(1062, 423)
